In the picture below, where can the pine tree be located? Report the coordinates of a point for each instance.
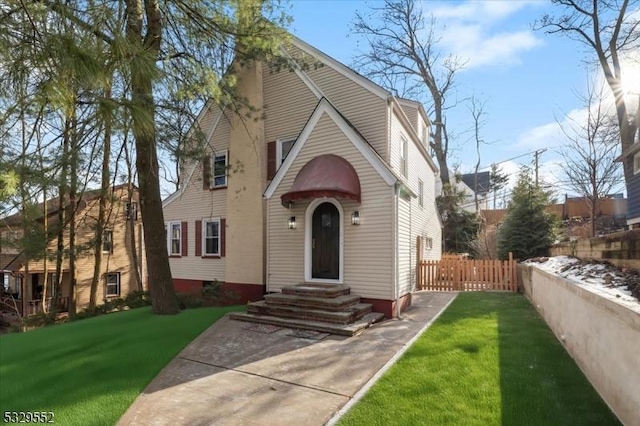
(527, 230)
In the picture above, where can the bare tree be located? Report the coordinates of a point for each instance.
(609, 29)
(403, 56)
(476, 109)
(589, 165)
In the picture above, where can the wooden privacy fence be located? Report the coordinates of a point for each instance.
(455, 273)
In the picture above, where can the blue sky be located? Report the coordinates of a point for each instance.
(527, 78)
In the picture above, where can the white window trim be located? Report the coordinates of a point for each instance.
(212, 183)
(169, 236)
(279, 143)
(404, 156)
(421, 193)
(204, 237)
(106, 290)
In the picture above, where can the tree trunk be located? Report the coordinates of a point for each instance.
(162, 294)
(104, 193)
(73, 189)
(62, 209)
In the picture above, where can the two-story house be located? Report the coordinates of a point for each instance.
(122, 266)
(332, 184)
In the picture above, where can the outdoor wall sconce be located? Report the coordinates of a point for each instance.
(355, 218)
(292, 222)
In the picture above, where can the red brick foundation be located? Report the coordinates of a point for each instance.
(389, 307)
(242, 293)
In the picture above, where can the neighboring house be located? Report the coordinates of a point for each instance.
(468, 203)
(333, 185)
(633, 185)
(24, 280)
(478, 184)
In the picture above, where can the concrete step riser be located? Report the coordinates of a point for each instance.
(335, 304)
(337, 329)
(326, 291)
(309, 315)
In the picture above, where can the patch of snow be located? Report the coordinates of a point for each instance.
(604, 280)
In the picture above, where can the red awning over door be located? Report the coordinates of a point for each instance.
(325, 176)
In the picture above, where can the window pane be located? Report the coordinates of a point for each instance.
(211, 246)
(212, 229)
(175, 246)
(175, 230)
(286, 148)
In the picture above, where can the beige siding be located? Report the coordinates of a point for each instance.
(367, 248)
(119, 261)
(421, 221)
(288, 104)
(364, 109)
(405, 246)
(195, 204)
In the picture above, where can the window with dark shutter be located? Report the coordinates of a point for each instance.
(206, 172)
(271, 160)
(185, 246)
(198, 238)
(223, 233)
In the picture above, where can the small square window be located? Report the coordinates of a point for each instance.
(428, 243)
(113, 284)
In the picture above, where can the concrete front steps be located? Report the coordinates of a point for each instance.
(327, 308)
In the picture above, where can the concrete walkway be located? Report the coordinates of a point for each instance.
(238, 373)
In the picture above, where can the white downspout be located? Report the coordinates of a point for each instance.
(397, 248)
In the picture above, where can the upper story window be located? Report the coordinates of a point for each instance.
(636, 163)
(107, 241)
(219, 168)
(420, 193)
(174, 242)
(131, 210)
(424, 135)
(211, 237)
(283, 147)
(404, 163)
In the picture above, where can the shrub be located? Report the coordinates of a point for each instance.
(137, 299)
(189, 301)
(39, 319)
(528, 230)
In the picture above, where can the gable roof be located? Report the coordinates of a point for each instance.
(325, 107)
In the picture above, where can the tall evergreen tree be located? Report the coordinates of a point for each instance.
(528, 230)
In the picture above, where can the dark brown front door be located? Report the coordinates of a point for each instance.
(325, 242)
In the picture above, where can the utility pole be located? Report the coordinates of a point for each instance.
(536, 155)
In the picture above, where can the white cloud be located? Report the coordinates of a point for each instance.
(472, 32)
(474, 10)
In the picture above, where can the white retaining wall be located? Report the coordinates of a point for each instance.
(602, 336)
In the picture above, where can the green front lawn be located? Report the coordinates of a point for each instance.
(488, 360)
(88, 372)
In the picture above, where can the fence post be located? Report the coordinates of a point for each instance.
(512, 273)
(419, 262)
